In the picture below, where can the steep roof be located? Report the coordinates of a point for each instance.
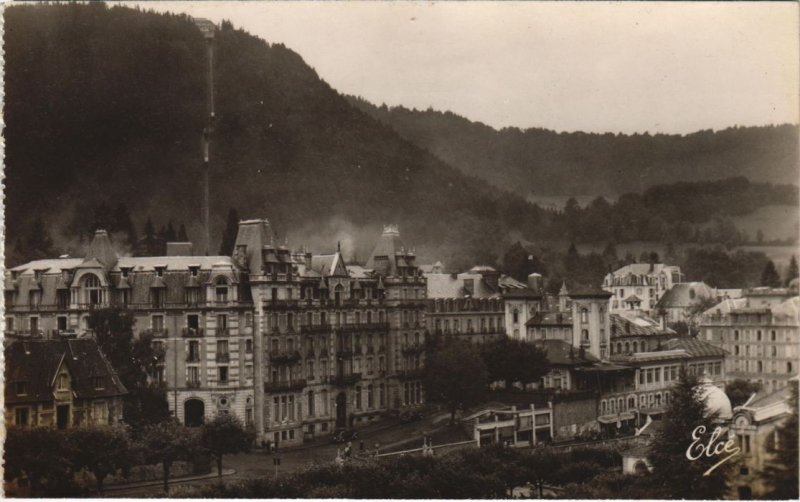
(254, 234)
(329, 265)
(100, 249)
(643, 269)
(382, 259)
(36, 362)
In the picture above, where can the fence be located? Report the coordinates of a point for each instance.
(441, 448)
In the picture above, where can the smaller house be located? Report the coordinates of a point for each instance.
(512, 426)
(754, 426)
(563, 358)
(60, 383)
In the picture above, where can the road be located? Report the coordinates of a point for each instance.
(387, 433)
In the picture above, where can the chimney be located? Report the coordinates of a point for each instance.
(179, 249)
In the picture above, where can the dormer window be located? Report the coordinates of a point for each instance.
(97, 383)
(221, 290)
(194, 270)
(93, 292)
(125, 272)
(160, 271)
(62, 382)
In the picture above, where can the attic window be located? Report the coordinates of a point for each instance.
(194, 269)
(63, 382)
(160, 270)
(125, 271)
(21, 388)
(97, 383)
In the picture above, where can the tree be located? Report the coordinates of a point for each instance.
(100, 450)
(455, 375)
(182, 235)
(168, 442)
(792, 272)
(229, 234)
(134, 360)
(781, 471)
(514, 361)
(124, 224)
(686, 416)
(739, 391)
(540, 467)
(38, 243)
(223, 435)
(43, 455)
(770, 277)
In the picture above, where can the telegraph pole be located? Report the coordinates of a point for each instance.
(208, 28)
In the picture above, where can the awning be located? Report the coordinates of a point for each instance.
(652, 411)
(612, 419)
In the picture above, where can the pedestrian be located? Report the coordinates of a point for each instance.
(267, 446)
(361, 445)
(348, 450)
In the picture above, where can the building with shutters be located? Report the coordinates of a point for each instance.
(294, 344)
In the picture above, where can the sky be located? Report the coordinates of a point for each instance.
(594, 67)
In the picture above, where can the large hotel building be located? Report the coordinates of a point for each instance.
(294, 344)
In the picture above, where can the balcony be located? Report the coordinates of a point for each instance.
(414, 348)
(193, 384)
(344, 354)
(192, 332)
(222, 332)
(156, 333)
(382, 349)
(284, 357)
(363, 326)
(284, 386)
(311, 329)
(370, 349)
(282, 304)
(348, 379)
(223, 357)
(193, 358)
(410, 374)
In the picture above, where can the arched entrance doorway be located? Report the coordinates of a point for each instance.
(193, 412)
(341, 410)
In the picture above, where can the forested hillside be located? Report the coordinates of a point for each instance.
(544, 162)
(107, 105)
(105, 111)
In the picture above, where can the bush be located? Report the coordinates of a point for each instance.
(201, 464)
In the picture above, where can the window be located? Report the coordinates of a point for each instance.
(223, 374)
(193, 375)
(222, 324)
(34, 324)
(157, 322)
(97, 383)
(311, 403)
(584, 316)
(194, 351)
(789, 367)
(773, 336)
(221, 292)
(21, 417)
(21, 388)
(515, 316)
(63, 382)
(248, 371)
(248, 346)
(192, 295)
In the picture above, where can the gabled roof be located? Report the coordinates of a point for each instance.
(632, 299)
(36, 362)
(329, 265)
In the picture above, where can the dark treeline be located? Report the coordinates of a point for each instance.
(546, 162)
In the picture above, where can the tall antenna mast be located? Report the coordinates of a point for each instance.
(208, 28)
